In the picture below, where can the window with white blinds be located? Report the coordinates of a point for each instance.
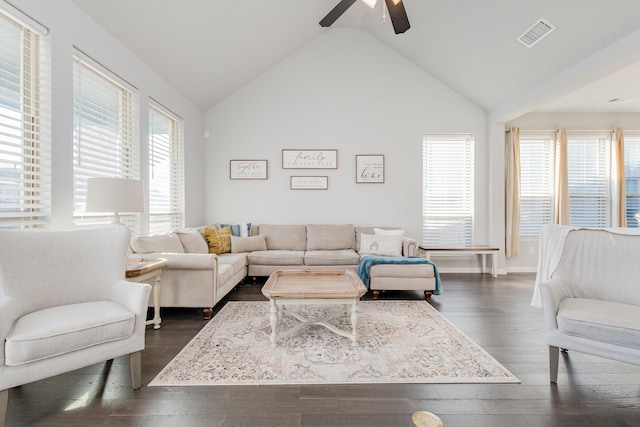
(632, 175)
(536, 181)
(166, 188)
(104, 141)
(447, 190)
(25, 171)
(589, 165)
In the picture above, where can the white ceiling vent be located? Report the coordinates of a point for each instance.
(536, 32)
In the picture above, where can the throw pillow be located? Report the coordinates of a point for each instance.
(241, 229)
(376, 244)
(248, 244)
(193, 242)
(394, 232)
(219, 240)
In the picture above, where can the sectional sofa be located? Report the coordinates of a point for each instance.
(194, 277)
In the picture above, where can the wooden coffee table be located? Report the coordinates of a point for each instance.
(286, 288)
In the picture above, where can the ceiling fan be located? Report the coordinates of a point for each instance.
(395, 7)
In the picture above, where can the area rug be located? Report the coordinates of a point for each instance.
(399, 342)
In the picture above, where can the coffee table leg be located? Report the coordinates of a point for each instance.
(273, 317)
(354, 323)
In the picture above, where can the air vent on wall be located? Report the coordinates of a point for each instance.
(536, 32)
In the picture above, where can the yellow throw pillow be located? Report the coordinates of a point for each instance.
(219, 240)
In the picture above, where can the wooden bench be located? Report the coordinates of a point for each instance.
(483, 251)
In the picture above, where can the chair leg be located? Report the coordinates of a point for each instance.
(135, 361)
(554, 353)
(4, 404)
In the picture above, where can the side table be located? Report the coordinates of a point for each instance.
(143, 270)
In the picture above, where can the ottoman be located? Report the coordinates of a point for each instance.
(402, 277)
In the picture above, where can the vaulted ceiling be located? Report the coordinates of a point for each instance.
(210, 48)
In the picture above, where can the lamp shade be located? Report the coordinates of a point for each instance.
(114, 195)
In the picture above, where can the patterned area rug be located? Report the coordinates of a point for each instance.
(399, 342)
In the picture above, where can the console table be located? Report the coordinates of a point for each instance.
(483, 251)
(143, 270)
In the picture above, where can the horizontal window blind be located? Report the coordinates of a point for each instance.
(632, 177)
(166, 205)
(588, 159)
(104, 143)
(448, 187)
(25, 171)
(536, 182)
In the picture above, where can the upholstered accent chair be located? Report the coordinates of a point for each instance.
(589, 289)
(64, 304)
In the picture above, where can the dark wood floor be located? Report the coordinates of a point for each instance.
(493, 312)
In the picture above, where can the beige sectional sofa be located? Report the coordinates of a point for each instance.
(194, 277)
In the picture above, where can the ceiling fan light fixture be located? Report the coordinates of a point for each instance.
(371, 3)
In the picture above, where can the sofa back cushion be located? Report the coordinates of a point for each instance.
(285, 237)
(154, 243)
(601, 265)
(330, 237)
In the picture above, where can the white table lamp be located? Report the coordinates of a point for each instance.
(115, 195)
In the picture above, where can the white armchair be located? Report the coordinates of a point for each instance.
(588, 285)
(64, 304)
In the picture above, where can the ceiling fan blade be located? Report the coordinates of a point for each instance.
(398, 16)
(336, 12)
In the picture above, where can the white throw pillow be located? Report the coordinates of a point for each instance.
(193, 242)
(378, 244)
(382, 232)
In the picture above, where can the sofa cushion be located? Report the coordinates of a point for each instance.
(237, 261)
(389, 232)
(219, 240)
(332, 257)
(248, 244)
(154, 243)
(598, 320)
(376, 244)
(192, 241)
(34, 337)
(285, 237)
(276, 257)
(330, 237)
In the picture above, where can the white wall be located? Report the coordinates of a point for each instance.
(527, 260)
(345, 91)
(68, 27)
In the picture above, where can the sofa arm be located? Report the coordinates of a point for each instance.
(409, 246)
(552, 292)
(9, 313)
(135, 297)
(183, 261)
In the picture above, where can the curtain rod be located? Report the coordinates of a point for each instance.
(570, 130)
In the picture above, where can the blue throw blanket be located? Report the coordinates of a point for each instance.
(369, 260)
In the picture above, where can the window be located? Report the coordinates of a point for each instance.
(24, 147)
(632, 175)
(588, 158)
(447, 190)
(536, 181)
(103, 134)
(166, 205)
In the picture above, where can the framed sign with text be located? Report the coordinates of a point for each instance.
(309, 183)
(370, 168)
(309, 159)
(248, 169)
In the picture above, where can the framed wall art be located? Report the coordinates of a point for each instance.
(370, 168)
(309, 183)
(248, 169)
(309, 159)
